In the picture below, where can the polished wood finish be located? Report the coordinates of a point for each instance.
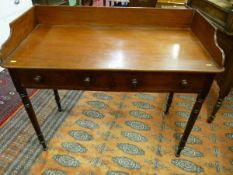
(28, 107)
(164, 49)
(224, 80)
(26, 23)
(202, 29)
(63, 15)
(221, 16)
(113, 80)
(194, 115)
(142, 3)
(114, 49)
(226, 43)
(221, 12)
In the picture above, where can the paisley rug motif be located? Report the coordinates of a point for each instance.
(19, 146)
(127, 133)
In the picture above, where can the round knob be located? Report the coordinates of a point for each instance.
(87, 81)
(134, 82)
(37, 79)
(184, 83)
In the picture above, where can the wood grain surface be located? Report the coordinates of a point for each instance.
(132, 39)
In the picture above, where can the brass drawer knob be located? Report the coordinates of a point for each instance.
(134, 82)
(184, 84)
(87, 81)
(37, 79)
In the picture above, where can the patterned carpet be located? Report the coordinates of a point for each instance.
(19, 147)
(117, 134)
(9, 98)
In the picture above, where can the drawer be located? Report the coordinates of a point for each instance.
(159, 82)
(113, 80)
(64, 79)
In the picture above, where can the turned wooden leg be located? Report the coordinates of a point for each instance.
(194, 114)
(32, 116)
(169, 101)
(57, 99)
(215, 110)
(225, 84)
(29, 109)
(193, 117)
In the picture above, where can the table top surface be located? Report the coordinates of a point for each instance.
(112, 47)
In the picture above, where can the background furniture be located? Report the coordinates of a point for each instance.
(220, 13)
(170, 3)
(51, 2)
(113, 62)
(142, 3)
(121, 3)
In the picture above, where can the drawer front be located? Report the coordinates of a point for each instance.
(160, 82)
(113, 80)
(64, 79)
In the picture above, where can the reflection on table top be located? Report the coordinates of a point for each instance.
(112, 47)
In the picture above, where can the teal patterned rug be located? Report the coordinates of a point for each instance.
(118, 134)
(19, 146)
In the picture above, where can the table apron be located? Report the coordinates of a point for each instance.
(127, 81)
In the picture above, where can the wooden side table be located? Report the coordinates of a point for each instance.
(113, 49)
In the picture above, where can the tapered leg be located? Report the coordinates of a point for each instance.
(57, 98)
(28, 107)
(215, 110)
(32, 116)
(194, 114)
(169, 101)
(190, 123)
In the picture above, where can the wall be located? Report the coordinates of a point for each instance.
(9, 10)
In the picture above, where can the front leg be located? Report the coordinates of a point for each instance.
(192, 119)
(32, 116)
(28, 107)
(194, 115)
